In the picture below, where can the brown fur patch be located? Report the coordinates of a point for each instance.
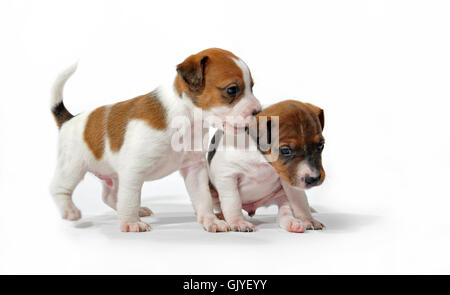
(210, 77)
(300, 128)
(145, 107)
(94, 132)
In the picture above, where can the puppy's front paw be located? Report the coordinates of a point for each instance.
(241, 225)
(292, 224)
(144, 211)
(311, 223)
(134, 226)
(213, 224)
(70, 212)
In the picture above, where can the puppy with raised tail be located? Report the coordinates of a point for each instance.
(130, 142)
(269, 168)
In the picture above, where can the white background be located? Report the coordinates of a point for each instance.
(379, 69)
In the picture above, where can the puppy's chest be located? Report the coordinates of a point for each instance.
(258, 181)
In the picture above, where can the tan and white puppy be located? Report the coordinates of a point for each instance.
(250, 177)
(130, 142)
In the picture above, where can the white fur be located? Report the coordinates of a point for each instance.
(146, 154)
(243, 176)
(58, 85)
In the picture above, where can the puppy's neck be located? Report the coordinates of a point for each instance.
(174, 103)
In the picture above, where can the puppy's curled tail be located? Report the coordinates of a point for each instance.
(59, 111)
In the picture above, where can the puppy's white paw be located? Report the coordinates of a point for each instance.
(292, 224)
(213, 224)
(135, 226)
(71, 212)
(144, 211)
(311, 223)
(241, 225)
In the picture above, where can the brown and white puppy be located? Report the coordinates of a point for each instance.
(274, 165)
(130, 142)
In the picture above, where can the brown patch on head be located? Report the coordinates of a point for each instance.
(319, 113)
(300, 134)
(145, 107)
(94, 132)
(206, 76)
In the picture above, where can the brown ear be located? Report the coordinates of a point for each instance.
(192, 71)
(319, 113)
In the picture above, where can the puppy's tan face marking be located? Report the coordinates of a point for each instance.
(205, 77)
(217, 79)
(94, 132)
(145, 107)
(300, 142)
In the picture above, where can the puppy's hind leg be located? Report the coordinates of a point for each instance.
(109, 193)
(67, 177)
(109, 196)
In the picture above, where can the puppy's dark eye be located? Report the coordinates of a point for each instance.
(320, 146)
(232, 90)
(286, 151)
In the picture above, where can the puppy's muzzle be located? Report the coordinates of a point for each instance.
(312, 181)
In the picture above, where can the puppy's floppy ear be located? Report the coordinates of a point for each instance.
(192, 71)
(319, 113)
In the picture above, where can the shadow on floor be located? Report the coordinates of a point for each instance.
(172, 218)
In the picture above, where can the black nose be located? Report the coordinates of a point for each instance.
(256, 112)
(312, 180)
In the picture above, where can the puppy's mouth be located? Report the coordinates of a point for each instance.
(302, 184)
